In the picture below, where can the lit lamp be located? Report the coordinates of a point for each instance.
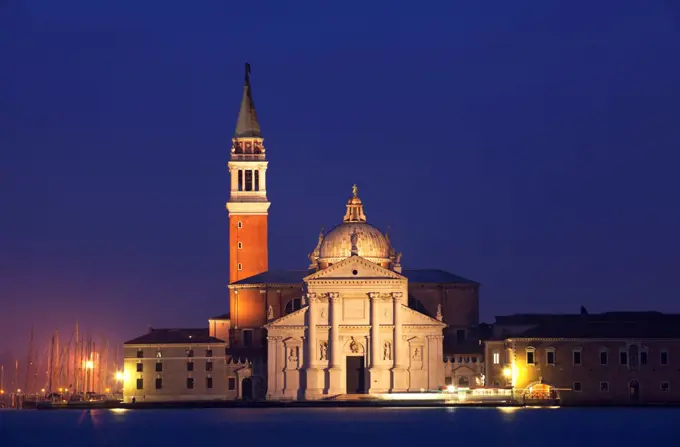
(120, 376)
(507, 372)
(89, 364)
(43, 390)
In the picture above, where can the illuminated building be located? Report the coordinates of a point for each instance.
(608, 358)
(375, 326)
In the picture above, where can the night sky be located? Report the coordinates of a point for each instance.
(532, 146)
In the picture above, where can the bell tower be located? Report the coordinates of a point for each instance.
(248, 205)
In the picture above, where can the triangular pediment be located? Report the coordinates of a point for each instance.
(296, 318)
(354, 267)
(410, 316)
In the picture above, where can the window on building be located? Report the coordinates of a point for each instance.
(578, 387)
(159, 383)
(240, 181)
(190, 352)
(140, 354)
(249, 180)
(531, 356)
(257, 181)
(550, 356)
(208, 353)
(231, 383)
(159, 354)
(665, 387)
(140, 367)
(576, 356)
(190, 366)
(623, 358)
(159, 367)
(208, 382)
(240, 245)
(247, 337)
(604, 387)
(604, 357)
(208, 366)
(664, 357)
(293, 305)
(140, 384)
(239, 224)
(643, 357)
(496, 383)
(190, 383)
(239, 266)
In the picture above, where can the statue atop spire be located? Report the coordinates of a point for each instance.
(355, 208)
(247, 125)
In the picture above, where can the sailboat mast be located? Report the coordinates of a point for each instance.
(2, 378)
(76, 362)
(29, 364)
(50, 367)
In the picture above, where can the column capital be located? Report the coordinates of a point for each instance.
(333, 296)
(397, 296)
(312, 297)
(373, 295)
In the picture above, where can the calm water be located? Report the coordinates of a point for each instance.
(342, 427)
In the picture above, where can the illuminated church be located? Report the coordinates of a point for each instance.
(353, 321)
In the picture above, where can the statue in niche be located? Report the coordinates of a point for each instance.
(293, 355)
(323, 313)
(270, 313)
(416, 354)
(354, 346)
(387, 351)
(324, 350)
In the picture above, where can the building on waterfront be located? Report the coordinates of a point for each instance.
(181, 365)
(613, 357)
(353, 320)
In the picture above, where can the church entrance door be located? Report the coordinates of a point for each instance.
(355, 374)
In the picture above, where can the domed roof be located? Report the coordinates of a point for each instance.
(353, 237)
(370, 243)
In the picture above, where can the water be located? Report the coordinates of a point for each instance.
(347, 427)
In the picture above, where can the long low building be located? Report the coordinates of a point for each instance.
(182, 365)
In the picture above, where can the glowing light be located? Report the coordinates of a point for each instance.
(507, 372)
(60, 389)
(508, 409)
(120, 376)
(2, 391)
(118, 410)
(43, 390)
(18, 390)
(462, 396)
(89, 364)
(451, 389)
(108, 390)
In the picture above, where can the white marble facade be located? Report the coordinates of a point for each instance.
(355, 334)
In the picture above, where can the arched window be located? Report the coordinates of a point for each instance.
(293, 305)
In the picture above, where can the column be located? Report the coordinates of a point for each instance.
(399, 377)
(335, 371)
(376, 382)
(263, 182)
(313, 386)
(234, 179)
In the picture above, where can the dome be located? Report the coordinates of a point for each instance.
(354, 237)
(371, 243)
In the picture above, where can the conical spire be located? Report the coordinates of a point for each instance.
(247, 125)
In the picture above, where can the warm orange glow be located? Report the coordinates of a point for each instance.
(18, 390)
(120, 376)
(108, 390)
(507, 372)
(2, 391)
(43, 390)
(89, 364)
(60, 390)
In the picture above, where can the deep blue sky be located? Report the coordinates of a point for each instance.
(532, 146)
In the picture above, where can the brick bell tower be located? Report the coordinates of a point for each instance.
(248, 205)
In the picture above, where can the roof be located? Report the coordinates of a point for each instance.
(174, 336)
(604, 325)
(226, 316)
(434, 276)
(293, 277)
(247, 124)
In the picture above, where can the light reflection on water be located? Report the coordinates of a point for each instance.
(347, 427)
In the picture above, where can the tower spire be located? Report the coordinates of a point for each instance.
(355, 208)
(247, 125)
